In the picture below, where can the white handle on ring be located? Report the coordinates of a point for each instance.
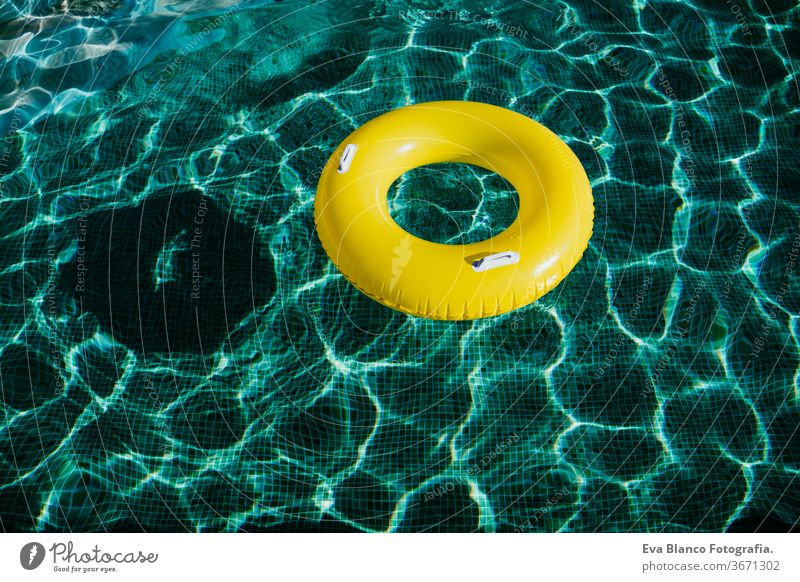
(496, 260)
(347, 157)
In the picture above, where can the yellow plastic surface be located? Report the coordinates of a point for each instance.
(434, 280)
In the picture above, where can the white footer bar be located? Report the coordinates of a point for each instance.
(411, 557)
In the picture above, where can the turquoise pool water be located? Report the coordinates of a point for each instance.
(178, 353)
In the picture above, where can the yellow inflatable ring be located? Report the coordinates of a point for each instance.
(441, 281)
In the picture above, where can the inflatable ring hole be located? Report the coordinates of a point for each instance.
(453, 203)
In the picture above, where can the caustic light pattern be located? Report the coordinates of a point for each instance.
(178, 353)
